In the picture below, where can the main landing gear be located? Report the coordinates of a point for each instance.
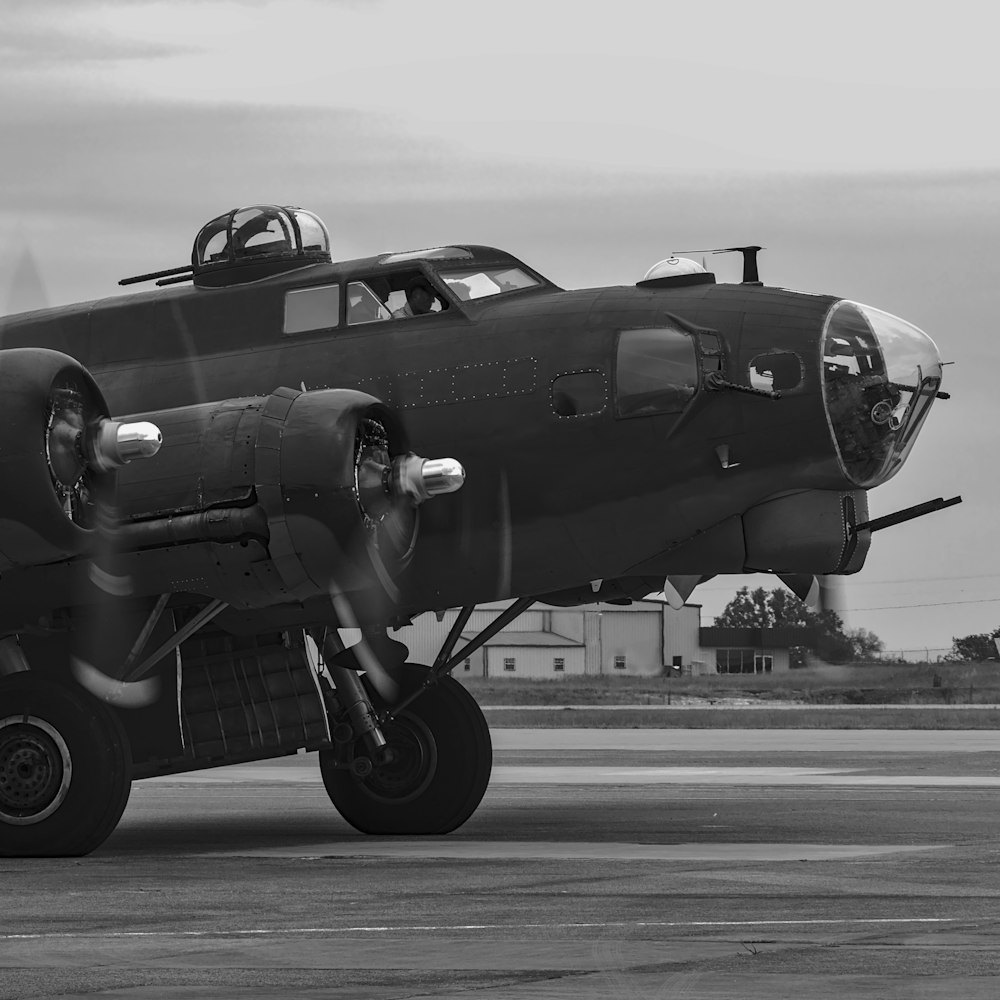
(65, 769)
(412, 751)
(430, 774)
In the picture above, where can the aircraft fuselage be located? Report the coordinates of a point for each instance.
(595, 443)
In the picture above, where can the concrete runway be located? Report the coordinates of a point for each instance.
(602, 863)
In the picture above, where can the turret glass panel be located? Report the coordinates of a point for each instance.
(261, 231)
(880, 376)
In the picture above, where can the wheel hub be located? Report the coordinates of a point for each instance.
(35, 770)
(410, 764)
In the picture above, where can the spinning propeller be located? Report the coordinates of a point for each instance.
(390, 486)
(84, 450)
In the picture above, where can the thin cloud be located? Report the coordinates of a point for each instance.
(56, 34)
(24, 48)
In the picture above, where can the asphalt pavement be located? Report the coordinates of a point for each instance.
(602, 863)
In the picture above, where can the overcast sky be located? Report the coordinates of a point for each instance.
(856, 141)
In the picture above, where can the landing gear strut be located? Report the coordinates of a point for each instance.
(418, 761)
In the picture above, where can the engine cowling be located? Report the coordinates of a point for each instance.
(326, 486)
(59, 450)
(324, 478)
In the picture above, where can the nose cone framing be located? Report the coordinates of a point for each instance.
(880, 376)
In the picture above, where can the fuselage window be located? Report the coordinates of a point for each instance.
(656, 371)
(434, 253)
(776, 372)
(315, 308)
(577, 394)
(712, 356)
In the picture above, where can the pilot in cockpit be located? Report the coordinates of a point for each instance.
(420, 299)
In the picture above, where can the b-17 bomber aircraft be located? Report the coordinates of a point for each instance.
(349, 444)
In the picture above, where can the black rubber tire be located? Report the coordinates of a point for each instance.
(443, 769)
(88, 809)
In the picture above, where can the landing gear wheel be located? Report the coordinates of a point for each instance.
(65, 769)
(442, 757)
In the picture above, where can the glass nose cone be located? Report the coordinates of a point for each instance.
(880, 376)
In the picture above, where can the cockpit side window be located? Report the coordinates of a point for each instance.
(366, 301)
(400, 294)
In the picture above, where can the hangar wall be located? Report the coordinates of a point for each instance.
(553, 642)
(640, 639)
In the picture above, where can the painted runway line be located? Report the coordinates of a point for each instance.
(606, 775)
(519, 850)
(597, 775)
(464, 928)
(750, 706)
(874, 741)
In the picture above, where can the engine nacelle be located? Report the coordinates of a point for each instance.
(58, 452)
(323, 478)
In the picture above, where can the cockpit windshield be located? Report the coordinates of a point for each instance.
(880, 376)
(481, 282)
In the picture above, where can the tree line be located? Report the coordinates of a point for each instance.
(980, 646)
(832, 642)
(779, 608)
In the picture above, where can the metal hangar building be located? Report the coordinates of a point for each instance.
(640, 639)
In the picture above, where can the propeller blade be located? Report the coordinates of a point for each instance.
(85, 449)
(362, 655)
(124, 694)
(506, 546)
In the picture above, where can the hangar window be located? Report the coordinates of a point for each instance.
(509, 663)
(316, 308)
(558, 664)
(743, 661)
(656, 371)
(619, 663)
